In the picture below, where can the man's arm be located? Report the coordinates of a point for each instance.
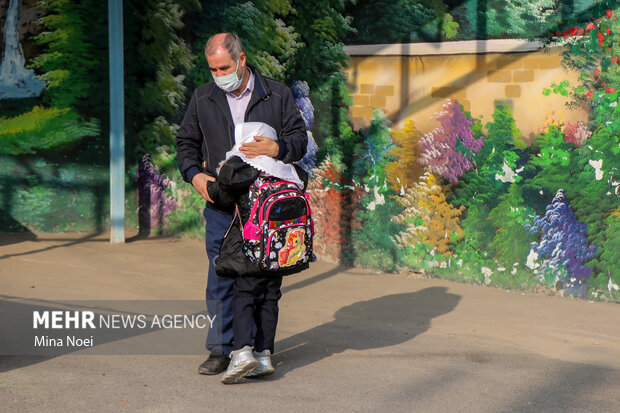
(189, 155)
(293, 140)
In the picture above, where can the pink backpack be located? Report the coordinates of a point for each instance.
(278, 234)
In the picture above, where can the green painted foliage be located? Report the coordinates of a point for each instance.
(154, 73)
(74, 59)
(506, 18)
(512, 242)
(43, 128)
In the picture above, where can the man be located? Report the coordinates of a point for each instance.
(239, 93)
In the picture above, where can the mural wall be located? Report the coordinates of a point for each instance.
(412, 81)
(493, 162)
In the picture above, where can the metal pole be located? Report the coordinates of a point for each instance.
(117, 123)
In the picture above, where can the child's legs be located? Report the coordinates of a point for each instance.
(266, 315)
(243, 311)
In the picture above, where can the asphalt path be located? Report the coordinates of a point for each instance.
(348, 340)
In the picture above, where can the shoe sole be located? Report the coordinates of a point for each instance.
(257, 374)
(239, 373)
(211, 372)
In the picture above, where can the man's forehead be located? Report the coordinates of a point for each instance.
(219, 60)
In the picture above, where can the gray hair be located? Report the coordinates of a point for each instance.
(231, 43)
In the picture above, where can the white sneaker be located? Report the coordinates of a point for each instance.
(242, 362)
(265, 368)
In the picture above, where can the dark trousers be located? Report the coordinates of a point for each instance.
(255, 303)
(219, 293)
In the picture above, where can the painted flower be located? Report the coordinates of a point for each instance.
(610, 90)
(590, 26)
(609, 13)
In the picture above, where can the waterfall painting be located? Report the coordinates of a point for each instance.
(16, 82)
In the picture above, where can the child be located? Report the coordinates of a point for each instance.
(255, 292)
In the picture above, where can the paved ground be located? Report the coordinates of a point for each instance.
(348, 340)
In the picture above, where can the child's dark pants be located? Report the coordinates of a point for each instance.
(255, 300)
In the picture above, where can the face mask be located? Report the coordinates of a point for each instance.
(230, 81)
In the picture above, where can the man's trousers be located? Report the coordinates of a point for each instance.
(219, 293)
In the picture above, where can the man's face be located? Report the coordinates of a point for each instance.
(221, 64)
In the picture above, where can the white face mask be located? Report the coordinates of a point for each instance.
(230, 81)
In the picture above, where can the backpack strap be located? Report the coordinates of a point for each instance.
(250, 229)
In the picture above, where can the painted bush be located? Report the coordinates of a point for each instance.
(563, 247)
(449, 149)
(155, 204)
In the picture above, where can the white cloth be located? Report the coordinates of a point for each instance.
(245, 132)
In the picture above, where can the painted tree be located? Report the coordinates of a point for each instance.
(382, 21)
(269, 42)
(506, 18)
(592, 48)
(322, 28)
(154, 84)
(563, 247)
(449, 149)
(555, 160)
(595, 188)
(511, 242)
(372, 241)
(74, 57)
(373, 155)
(405, 170)
(318, 60)
(480, 189)
(427, 217)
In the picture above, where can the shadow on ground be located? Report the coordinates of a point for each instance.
(376, 323)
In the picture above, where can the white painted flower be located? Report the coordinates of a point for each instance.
(487, 275)
(514, 270)
(272, 255)
(597, 165)
(501, 269)
(611, 286)
(508, 175)
(531, 260)
(278, 245)
(613, 104)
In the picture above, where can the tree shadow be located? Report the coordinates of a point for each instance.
(380, 322)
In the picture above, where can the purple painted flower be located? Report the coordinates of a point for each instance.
(301, 93)
(447, 150)
(563, 244)
(154, 203)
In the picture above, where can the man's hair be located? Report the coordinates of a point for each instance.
(231, 43)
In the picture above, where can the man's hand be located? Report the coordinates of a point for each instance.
(261, 146)
(200, 181)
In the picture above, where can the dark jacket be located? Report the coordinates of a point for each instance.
(232, 187)
(207, 130)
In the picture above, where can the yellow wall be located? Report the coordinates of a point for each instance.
(417, 87)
